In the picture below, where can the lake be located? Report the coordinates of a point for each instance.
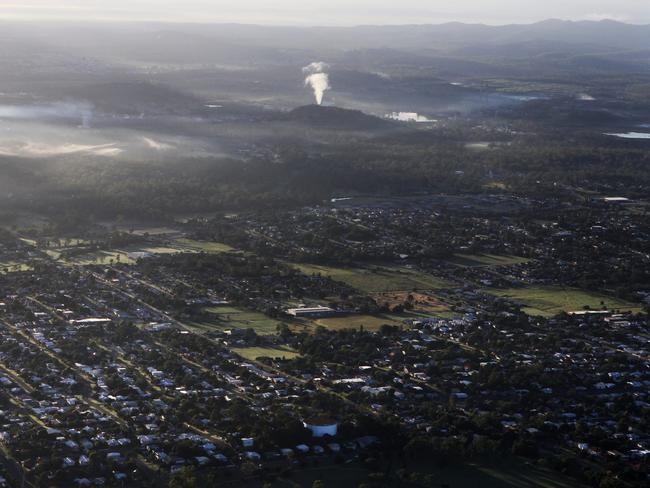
(630, 135)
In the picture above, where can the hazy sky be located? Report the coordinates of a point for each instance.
(330, 12)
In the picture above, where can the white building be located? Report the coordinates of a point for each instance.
(318, 311)
(321, 427)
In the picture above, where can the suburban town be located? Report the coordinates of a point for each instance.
(245, 348)
(342, 244)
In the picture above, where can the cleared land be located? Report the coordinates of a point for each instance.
(254, 353)
(550, 300)
(378, 278)
(421, 302)
(225, 318)
(472, 260)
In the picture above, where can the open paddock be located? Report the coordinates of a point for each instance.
(550, 300)
(254, 353)
(473, 260)
(377, 279)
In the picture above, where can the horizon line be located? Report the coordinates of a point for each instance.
(119, 20)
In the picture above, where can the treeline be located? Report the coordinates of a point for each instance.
(539, 164)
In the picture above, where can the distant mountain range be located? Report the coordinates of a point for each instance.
(605, 34)
(624, 46)
(596, 34)
(445, 67)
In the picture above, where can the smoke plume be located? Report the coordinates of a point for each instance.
(317, 79)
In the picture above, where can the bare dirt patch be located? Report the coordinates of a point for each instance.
(418, 302)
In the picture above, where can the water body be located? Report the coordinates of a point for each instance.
(630, 135)
(525, 98)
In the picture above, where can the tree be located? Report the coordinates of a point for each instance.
(185, 478)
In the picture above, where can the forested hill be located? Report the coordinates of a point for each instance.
(305, 173)
(336, 118)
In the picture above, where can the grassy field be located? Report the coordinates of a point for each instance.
(548, 301)
(224, 318)
(368, 322)
(202, 246)
(159, 250)
(472, 260)
(254, 353)
(515, 474)
(128, 255)
(61, 243)
(14, 266)
(101, 257)
(411, 315)
(378, 278)
(143, 229)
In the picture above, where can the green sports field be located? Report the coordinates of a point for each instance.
(254, 353)
(224, 318)
(368, 322)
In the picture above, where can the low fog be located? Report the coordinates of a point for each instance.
(67, 129)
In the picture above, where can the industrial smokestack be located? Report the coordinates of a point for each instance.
(317, 79)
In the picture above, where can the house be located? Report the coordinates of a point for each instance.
(334, 447)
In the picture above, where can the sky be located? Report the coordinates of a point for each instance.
(330, 12)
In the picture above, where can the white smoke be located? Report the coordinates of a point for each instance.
(318, 79)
